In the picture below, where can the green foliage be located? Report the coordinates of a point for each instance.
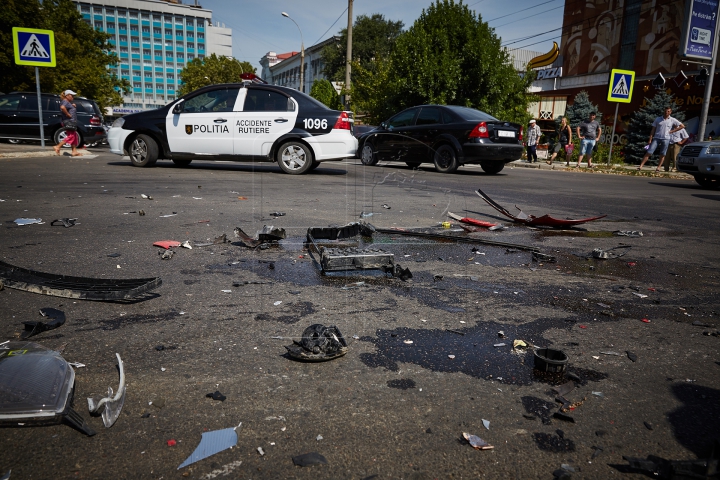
(324, 92)
(580, 111)
(451, 57)
(373, 37)
(641, 123)
(82, 52)
(210, 71)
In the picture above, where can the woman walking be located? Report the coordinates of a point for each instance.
(69, 123)
(564, 139)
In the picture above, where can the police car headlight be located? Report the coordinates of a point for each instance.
(713, 150)
(118, 123)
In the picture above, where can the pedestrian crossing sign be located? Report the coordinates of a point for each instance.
(34, 47)
(621, 86)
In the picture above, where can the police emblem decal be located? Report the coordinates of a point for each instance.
(188, 129)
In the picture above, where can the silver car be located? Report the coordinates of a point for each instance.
(702, 161)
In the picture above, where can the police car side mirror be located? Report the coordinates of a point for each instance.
(178, 107)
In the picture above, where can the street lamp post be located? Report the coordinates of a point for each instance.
(302, 53)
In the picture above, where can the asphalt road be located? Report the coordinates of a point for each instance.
(389, 408)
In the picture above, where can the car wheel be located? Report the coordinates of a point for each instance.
(143, 151)
(61, 134)
(182, 163)
(492, 167)
(294, 158)
(446, 159)
(707, 182)
(412, 164)
(368, 156)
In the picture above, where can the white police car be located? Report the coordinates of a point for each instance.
(237, 122)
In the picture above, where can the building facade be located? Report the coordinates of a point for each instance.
(284, 68)
(638, 35)
(154, 40)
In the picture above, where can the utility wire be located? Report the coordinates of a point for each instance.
(520, 11)
(533, 15)
(343, 12)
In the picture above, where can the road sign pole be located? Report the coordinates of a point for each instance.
(612, 132)
(708, 89)
(42, 129)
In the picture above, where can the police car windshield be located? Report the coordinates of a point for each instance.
(470, 114)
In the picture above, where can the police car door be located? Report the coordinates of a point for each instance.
(265, 116)
(203, 125)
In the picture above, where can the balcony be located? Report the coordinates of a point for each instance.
(98, 17)
(135, 56)
(137, 90)
(133, 21)
(123, 55)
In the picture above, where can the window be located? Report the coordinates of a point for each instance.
(145, 16)
(146, 30)
(403, 119)
(222, 100)
(548, 108)
(85, 8)
(9, 103)
(190, 45)
(134, 15)
(266, 101)
(160, 75)
(169, 75)
(168, 19)
(201, 57)
(97, 10)
(191, 57)
(428, 116)
(123, 50)
(137, 85)
(98, 26)
(190, 35)
(157, 31)
(181, 57)
(133, 29)
(146, 52)
(122, 13)
(148, 75)
(629, 34)
(123, 38)
(125, 72)
(179, 33)
(136, 50)
(169, 54)
(159, 86)
(109, 11)
(201, 36)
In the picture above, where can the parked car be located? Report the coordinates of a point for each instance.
(447, 135)
(19, 118)
(702, 161)
(239, 122)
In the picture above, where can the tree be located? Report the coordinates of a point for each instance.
(580, 111)
(373, 37)
(211, 70)
(449, 56)
(641, 123)
(83, 53)
(325, 93)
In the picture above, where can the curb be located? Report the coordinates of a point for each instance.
(44, 153)
(602, 168)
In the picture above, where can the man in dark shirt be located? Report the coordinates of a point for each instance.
(589, 132)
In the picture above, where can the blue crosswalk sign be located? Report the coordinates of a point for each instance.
(34, 47)
(621, 86)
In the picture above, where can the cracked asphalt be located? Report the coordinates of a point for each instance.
(389, 408)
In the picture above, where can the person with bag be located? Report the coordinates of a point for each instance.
(564, 139)
(69, 122)
(533, 138)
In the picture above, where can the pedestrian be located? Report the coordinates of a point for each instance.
(589, 132)
(677, 140)
(564, 138)
(69, 122)
(533, 137)
(662, 128)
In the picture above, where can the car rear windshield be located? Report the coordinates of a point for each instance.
(85, 106)
(471, 114)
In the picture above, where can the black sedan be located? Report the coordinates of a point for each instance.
(447, 135)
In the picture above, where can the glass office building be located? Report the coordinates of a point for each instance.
(154, 39)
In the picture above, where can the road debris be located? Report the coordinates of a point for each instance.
(166, 244)
(564, 389)
(147, 197)
(628, 233)
(33, 328)
(611, 353)
(610, 254)
(28, 221)
(269, 235)
(455, 238)
(543, 257)
(454, 331)
(309, 459)
(476, 442)
(318, 344)
(260, 451)
(648, 425)
(470, 221)
(186, 244)
(113, 404)
(216, 395)
(65, 222)
(212, 443)
(277, 214)
(532, 220)
(550, 360)
(631, 356)
(486, 424)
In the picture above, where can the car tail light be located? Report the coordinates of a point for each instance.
(343, 122)
(480, 131)
(520, 134)
(95, 120)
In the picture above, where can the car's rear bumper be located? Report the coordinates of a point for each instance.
(336, 145)
(482, 152)
(116, 139)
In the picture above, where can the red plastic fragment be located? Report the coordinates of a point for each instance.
(171, 443)
(582, 326)
(651, 289)
(631, 264)
(646, 320)
(166, 244)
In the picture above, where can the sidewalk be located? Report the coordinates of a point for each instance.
(647, 171)
(20, 150)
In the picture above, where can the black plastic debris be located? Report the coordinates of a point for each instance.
(542, 257)
(631, 356)
(563, 416)
(83, 288)
(656, 467)
(221, 239)
(33, 328)
(648, 425)
(309, 459)
(550, 360)
(216, 395)
(65, 222)
(36, 386)
(113, 255)
(564, 389)
(277, 214)
(318, 344)
(268, 235)
(597, 451)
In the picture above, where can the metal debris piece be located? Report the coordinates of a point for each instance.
(309, 459)
(455, 331)
(628, 233)
(147, 197)
(544, 221)
(268, 234)
(82, 288)
(599, 394)
(385, 206)
(543, 257)
(186, 244)
(260, 451)
(486, 423)
(454, 238)
(212, 443)
(471, 221)
(166, 254)
(318, 344)
(476, 442)
(611, 353)
(609, 254)
(28, 221)
(113, 404)
(33, 328)
(65, 222)
(499, 345)
(221, 239)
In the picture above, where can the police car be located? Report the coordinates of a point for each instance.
(237, 122)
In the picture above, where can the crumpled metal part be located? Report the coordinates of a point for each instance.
(318, 344)
(113, 404)
(268, 234)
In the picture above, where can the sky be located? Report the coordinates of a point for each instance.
(258, 26)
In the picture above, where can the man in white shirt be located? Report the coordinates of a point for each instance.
(677, 140)
(662, 128)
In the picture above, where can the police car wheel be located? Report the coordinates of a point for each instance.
(182, 163)
(294, 158)
(143, 151)
(369, 155)
(492, 167)
(445, 159)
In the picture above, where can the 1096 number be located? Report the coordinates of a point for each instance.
(315, 124)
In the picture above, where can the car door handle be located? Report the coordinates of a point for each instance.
(281, 120)
(220, 120)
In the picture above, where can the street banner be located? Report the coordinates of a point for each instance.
(698, 34)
